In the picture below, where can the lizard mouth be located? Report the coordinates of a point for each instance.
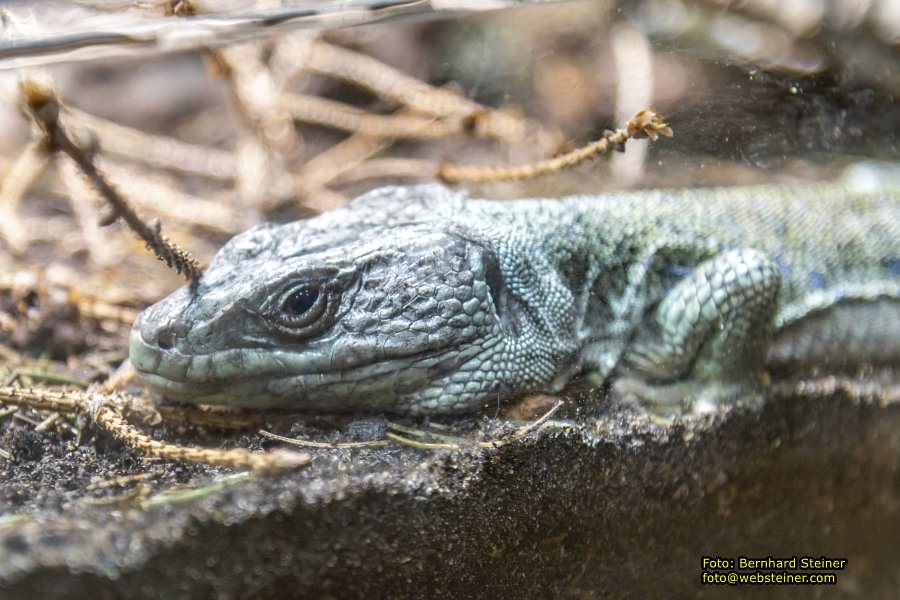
(257, 379)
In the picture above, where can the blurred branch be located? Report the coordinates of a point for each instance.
(157, 151)
(337, 115)
(387, 82)
(51, 32)
(18, 179)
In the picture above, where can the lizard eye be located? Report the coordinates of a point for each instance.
(301, 306)
(300, 301)
(307, 302)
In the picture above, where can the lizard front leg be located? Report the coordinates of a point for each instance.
(707, 339)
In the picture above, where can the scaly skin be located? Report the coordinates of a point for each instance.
(420, 300)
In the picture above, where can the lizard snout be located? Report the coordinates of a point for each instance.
(158, 330)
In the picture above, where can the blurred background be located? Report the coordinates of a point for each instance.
(211, 130)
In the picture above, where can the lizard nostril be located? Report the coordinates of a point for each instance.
(166, 339)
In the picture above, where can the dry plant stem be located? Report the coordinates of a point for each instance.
(337, 115)
(446, 442)
(526, 429)
(20, 177)
(101, 408)
(311, 444)
(345, 156)
(157, 151)
(121, 377)
(421, 445)
(387, 82)
(257, 94)
(267, 463)
(258, 165)
(44, 108)
(643, 124)
(323, 168)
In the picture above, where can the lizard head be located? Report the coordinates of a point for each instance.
(345, 311)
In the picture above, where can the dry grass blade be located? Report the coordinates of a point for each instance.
(311, 444)
(526, 429)
(44, 107)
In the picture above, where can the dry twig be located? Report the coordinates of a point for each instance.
(387, 82)
(44, 108)
(337, 115)
(311, 444)
(445, 442)
(646, 123)
(157, 151)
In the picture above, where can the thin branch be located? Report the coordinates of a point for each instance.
(526, 429)
(337, 160)
(157, 151)
(387, 82)
(644, 124)
(44, 107)
(338, 115)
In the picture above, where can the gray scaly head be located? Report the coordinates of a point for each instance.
(384, 305)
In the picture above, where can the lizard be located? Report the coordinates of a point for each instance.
(420, 300)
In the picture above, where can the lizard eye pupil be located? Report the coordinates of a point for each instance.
(300, 301)
(304, 308)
